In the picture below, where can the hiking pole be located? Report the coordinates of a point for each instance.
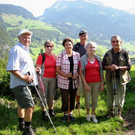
(78, 107)
(69, 100)
(42, 86)
(79, 111)
(115, 92)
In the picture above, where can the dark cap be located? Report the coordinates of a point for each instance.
(83, 32)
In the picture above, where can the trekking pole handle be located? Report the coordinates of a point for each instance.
(29, 74)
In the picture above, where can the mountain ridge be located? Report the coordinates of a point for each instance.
(17, 10)
(95, 17)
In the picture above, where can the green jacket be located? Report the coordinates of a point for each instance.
(124, 75)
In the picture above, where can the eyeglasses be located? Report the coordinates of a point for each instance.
(115, 41)
(49, 46)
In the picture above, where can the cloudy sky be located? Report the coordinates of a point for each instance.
(37, 7)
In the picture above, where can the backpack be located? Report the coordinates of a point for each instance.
(76, 47)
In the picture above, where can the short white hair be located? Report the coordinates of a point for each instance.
(91, 43)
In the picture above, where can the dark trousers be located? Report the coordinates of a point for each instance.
(64, 95)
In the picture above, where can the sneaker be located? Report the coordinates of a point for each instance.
(94, 119)
(51, 113)
(45, 116)
(88, 117)
(72, 117)
(65, 118)
(119, 114)
(21, 126)
(120, 117)
(28, 131)
(77, 104)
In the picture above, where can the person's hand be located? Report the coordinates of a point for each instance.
(101, 87)
(75, 77)
(87, 88)
(28, 78)
(114, 67)
(38, 70)
(69, 75)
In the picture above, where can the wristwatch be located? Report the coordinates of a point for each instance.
(120, 67)
(22, 76)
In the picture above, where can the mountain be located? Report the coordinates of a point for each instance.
(94, 16)
(16, 10)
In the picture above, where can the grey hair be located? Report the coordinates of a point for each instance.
(91, 43)
(48, 42)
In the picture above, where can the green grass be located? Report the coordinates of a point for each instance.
(57, 49)
(113, 126)
(8, 123)
(17, 22)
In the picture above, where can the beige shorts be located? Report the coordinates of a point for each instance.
(80, 87)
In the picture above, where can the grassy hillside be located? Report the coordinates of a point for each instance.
(42, 31)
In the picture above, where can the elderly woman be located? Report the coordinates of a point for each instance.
(47, 63)
(92, 76)
(67, 69)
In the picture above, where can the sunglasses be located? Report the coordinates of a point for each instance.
(115, 41)
(49, 46)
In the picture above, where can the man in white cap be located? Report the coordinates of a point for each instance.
(80, 48)
(19, 64)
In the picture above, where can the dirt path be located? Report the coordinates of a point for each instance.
(129, 123)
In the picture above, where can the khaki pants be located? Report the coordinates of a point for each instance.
(80, 87)
(121, 91)
(92, 95)
(50, 90)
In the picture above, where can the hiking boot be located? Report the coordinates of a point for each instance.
(77, 104)
(119, 114)
(72, 117)
(28, 131)
(51, 113)
(94, 119)
(111, 113)
(21, 126)
(65, 118)
(88, 117)
(45, 116)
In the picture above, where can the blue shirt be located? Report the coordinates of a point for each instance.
(20, 59)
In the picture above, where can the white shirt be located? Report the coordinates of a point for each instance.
(20, 59)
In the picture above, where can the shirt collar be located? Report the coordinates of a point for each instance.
(22, 46)
(113, 51)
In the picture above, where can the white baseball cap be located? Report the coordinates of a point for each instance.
(24, 31)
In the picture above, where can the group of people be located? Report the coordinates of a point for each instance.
(78, 70)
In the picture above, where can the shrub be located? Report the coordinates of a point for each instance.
(5, 80)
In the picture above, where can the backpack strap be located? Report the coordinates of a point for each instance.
(43, 58)
(76, 47)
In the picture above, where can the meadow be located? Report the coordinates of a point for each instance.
(112, 126)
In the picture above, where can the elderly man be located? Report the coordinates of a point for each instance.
(80, 48)
(19, 64)
(117, 63)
